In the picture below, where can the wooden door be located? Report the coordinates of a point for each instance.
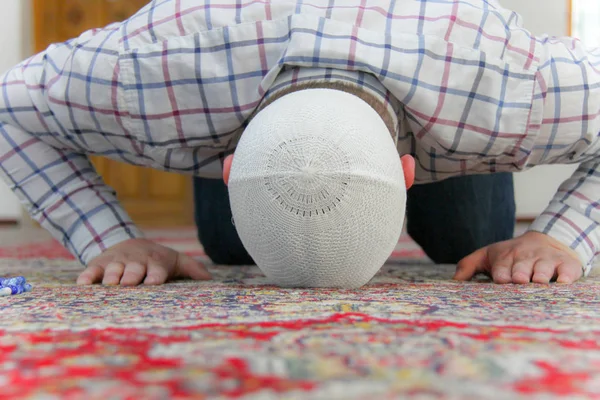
(151, 198)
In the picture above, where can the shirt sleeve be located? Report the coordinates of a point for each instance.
(53, 179)
(567, 111)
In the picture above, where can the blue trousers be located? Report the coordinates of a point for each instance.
(448, 219)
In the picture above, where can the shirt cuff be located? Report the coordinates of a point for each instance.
(571, 228)
(107, 226)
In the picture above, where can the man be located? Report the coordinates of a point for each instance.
(174, 86)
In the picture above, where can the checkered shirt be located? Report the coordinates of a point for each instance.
(173, 86)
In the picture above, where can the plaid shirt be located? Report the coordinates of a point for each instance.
(173, 86)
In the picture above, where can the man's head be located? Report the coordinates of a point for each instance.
(317, 189)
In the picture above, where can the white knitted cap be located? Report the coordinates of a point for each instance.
(317, 190)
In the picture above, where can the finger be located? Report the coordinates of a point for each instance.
(543, 271)
(92, 274)
(471, 265)
(187, 267)
(134, 274)
(522, 271)
(501, 269)
(569, 272)
(157, 274)
(113, 273)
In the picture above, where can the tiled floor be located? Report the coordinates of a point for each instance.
(26, 234)
(22, 234)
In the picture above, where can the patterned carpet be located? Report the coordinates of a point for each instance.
(411, 333)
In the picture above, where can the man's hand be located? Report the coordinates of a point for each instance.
(532, 257)
(139, 260)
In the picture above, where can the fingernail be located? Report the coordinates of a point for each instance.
(521, 277)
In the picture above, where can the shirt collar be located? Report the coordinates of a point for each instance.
(290, 77)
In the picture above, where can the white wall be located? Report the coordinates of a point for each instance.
(535, 188)
(15, 35)
(541, 16)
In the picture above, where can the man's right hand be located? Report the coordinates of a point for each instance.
(137, 261)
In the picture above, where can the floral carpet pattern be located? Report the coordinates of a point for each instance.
(410, 333)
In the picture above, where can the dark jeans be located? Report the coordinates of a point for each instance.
(448, 219)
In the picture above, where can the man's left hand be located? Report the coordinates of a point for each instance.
(532, 257)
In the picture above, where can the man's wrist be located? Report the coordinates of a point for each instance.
(557, 244)
(570, 229)
(107, 236)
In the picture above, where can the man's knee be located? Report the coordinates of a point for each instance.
(452, 218)
(216, 232)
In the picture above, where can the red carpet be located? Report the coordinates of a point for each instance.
(411, 333)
